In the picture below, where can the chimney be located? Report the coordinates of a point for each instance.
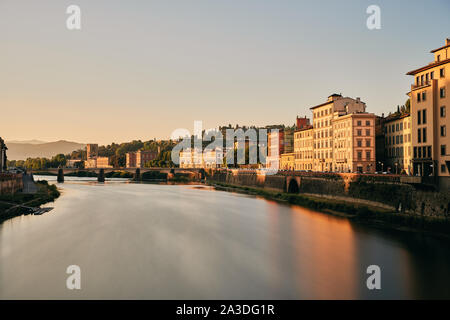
(447, 41)
(358, 99)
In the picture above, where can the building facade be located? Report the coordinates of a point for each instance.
(139, 158)
(303, 149)
(3, 157)
(430, 99)
(354, 143)
(398, 144)
(287, 161)
(198, 159)
(91, 150)
(353, 127)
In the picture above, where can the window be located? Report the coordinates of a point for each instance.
(401, 126)
(367, 123)
(367, 155)
(424, 149)
(443, 168)
(418, 117)
(418, 97)
(359, 155)
(421, 80)
(443, 131)
(358, 123)
(401, 138)
(438, 57)
(441, 73)
(424, 96)
(417, 81)
(442, 92)
(359, 143)
(443, 150)
(432, 75)
(359, 132)
(424, 135)
(442, 111)
(368, 132)
(396, 140)
(429, 152)
(396, 127)
(367, 143)
(419, 135)
(424, 116)
(415, 152)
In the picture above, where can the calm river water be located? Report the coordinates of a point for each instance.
(148, 241)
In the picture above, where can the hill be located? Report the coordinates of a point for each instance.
(24, 150)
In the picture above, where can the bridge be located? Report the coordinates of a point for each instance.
(60, 172)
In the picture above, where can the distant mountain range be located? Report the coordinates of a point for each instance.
(21, 150)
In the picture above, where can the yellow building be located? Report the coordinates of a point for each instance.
(398, 143)
(287, 161)
(429, 101)
(303, 149)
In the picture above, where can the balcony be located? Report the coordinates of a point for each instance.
(421, 85)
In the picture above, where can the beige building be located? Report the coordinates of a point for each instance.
(323, 146)
(303, 149)
(354, 143)
(98, 162)
(103, 162)
(430, 99)
(287, 161)
(199, 159)
(398, 144)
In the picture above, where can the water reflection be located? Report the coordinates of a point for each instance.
(147, 241)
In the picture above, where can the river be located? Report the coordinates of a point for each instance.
(150, 241)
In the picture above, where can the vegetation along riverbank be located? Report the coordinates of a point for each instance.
(12, 205)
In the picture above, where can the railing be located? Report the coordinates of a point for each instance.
(421, 84)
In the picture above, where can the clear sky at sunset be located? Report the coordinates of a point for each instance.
(141, 69)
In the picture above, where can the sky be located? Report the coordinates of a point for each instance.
(141, 69)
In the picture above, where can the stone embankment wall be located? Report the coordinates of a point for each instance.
(10, 183)
(396, 192)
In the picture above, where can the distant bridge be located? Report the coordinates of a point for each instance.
(135, 171)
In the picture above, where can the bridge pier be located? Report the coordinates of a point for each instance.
(101, 176)
(60, 178)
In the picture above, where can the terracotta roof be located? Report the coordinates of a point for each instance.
(394, 117)
(431, 65)
(446, 46)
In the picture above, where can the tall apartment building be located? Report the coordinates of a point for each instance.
(429, 101)
(354, 142)
(323, 116)
(398, 144)
(303, 148)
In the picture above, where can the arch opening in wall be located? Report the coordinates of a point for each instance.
(293, 186)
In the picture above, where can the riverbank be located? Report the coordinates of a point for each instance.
(377, 216)
(45, 193)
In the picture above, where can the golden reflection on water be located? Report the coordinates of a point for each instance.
(325, 262)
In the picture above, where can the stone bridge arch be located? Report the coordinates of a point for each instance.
(293, 184)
